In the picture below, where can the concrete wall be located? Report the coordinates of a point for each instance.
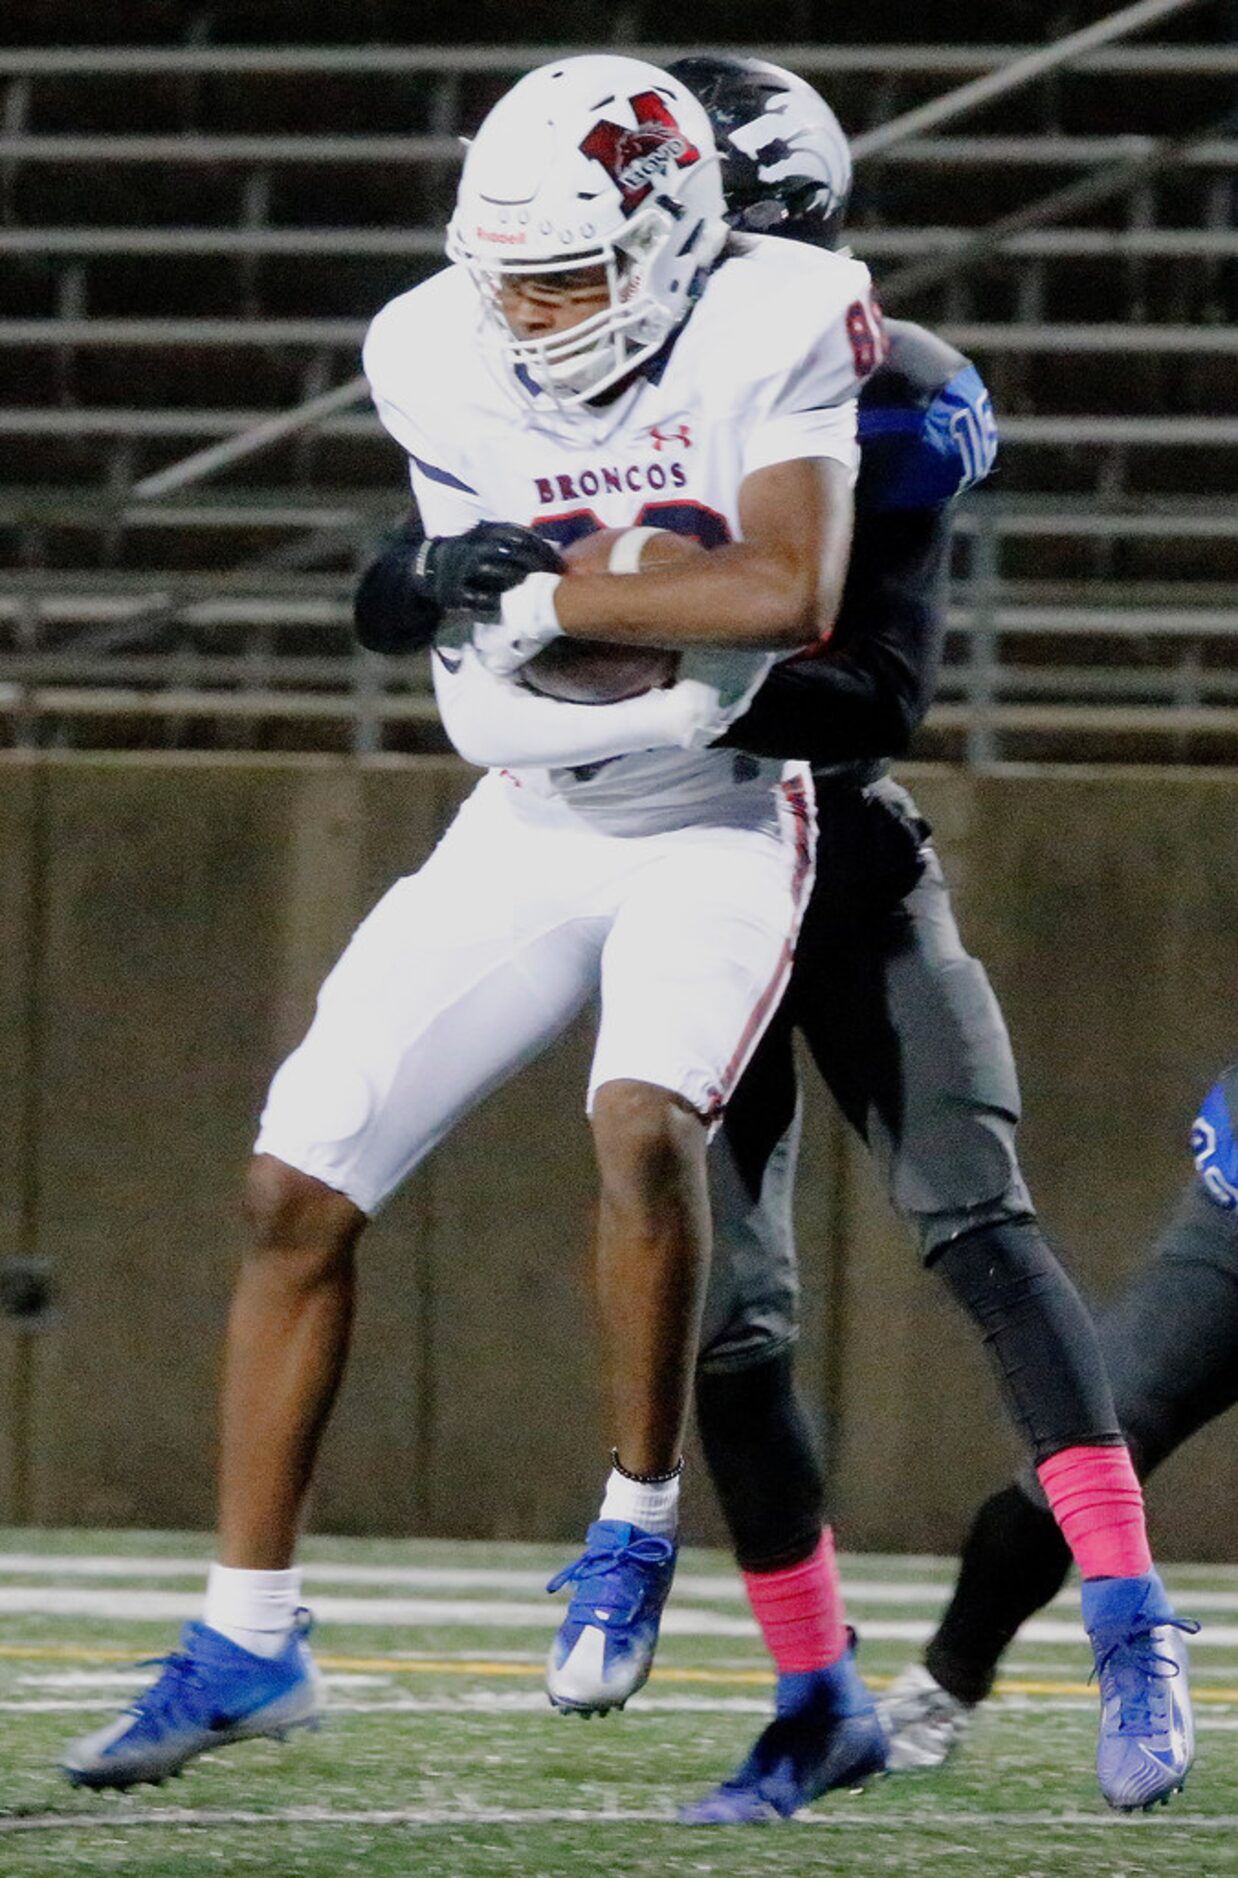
(165, 923)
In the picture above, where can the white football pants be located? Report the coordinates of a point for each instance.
(467, 969)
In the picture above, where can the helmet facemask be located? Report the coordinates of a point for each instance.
(581, 361)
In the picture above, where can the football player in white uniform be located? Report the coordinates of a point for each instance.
(600, 354)
(907, 1033)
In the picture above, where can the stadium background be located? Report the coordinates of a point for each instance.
(202, 784)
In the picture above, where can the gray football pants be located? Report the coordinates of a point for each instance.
(908, 1036)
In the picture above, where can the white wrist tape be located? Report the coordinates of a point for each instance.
(627, 549)
(527, 621)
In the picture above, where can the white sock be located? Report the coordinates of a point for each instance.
(651, 1505)
(254, 1609)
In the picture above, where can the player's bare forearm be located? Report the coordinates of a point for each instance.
(778, 588)
(738, 595)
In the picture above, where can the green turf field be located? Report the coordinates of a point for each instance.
(441, 1757)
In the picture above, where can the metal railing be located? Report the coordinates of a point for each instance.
(194, 149)
(815, 59)
(1111, 659)
(986, 698)
(879, 244)
(334, 421)
(989, 337)
(36, 686)
(1003, 77)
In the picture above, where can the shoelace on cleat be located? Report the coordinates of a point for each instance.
(180, 1693)
(177, 1695)
(1135, 1671)
(598, 1572)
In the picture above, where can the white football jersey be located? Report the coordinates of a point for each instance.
(765, 370)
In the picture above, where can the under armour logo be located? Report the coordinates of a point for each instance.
(636, 159)
(661, 438)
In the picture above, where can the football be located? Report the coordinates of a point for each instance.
(587, 671)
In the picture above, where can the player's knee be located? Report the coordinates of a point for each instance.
(952, 1161)
(646, 1138)
(937, 1230)
(292, 1214)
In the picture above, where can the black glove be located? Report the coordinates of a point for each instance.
(390, 612)
(415, 579)
(470, 572)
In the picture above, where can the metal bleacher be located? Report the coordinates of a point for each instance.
(193, 238)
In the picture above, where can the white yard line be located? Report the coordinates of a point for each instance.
(720, 1587)
(710, 1586)
(412, 1577)
(94, 1680)
(476, 1614)
(836, 1820)
(469, 1702)
(490, 1614)
(109, 1691)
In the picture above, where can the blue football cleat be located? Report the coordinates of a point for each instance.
(1147, 1732)
(604, 1649)
(211, 1692)
(825, 1734)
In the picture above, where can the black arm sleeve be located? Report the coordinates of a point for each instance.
(388, 612)
(865, 694)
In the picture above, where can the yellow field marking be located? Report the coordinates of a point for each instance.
(480, 1666)
(428, 1665)
(62, 1653)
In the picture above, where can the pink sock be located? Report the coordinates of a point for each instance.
(800, 1610)
(1098, 1503)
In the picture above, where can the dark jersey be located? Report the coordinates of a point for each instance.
(926, 434)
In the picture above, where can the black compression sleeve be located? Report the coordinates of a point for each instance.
(763, 1461)
(867, 691)
(1037, 1334)
(388, 612)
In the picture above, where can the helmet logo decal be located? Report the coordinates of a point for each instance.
(636, 159)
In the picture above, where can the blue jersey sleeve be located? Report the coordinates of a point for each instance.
(1213, 1141)
(919, 454)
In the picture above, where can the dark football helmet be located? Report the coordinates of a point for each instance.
(786, 167)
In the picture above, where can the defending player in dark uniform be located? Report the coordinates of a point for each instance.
(1171, 1346)
(907, 1033)
(906, 1030)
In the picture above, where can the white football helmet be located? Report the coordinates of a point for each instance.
(591, 162)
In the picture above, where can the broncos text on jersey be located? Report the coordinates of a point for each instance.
(765, 370)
